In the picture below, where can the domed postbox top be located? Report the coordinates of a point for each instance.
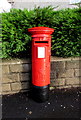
(41, 30)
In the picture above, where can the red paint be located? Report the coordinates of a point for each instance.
(41, 42)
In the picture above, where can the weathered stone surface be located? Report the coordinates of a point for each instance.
(79, 80)
(16, 68)
(0, 87)
(75, 86)
(16, 86)
(24, 76)
(72, 64)
(72, 81)
(57, 82)
(64, 87)
(10, 92)
(5, 69)
(9, 78)
(76, 58)
(54, 58)
(0, 79)
(62, 74)
(53, 75)
(20, 68)
(26, 67)
(67, 73)
(15, 61)
(0, 70)
(57, 66)
(78, 72)
(57, 69)
(25, 85)
(6, 87)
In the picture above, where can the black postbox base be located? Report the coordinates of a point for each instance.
(40, 94)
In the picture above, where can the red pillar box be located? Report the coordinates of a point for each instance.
(41, 51)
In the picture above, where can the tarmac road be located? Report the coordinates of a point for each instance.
(61, 104)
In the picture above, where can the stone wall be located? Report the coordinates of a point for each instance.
(16, 74)
(66, 73)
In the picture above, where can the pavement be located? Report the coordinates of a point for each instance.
(61, 104)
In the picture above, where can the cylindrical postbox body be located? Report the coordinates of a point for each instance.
(41, 51)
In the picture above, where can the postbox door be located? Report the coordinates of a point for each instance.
(41, 63)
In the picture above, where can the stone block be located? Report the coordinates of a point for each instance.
(72, 81)
(79, 80)
(15, 61)
(24, 76)
(5, 69)
(53, 75)
(0, 70)
(9, 78)
(10, 92)
(16, 68)
(20, 68)
(26, 67)
(80, 63)
(25, 85)
(75, 86)
(16, 86)
(65, 87)
(57, 66)
(62, 74)
(6, 87)
(0, 79)
(72, 64)
(66, 73)
(0, 87)
(78, 72)
(57, 82)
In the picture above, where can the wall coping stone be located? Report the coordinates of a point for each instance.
(28, 60)
(15, 61)
(65, 59)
